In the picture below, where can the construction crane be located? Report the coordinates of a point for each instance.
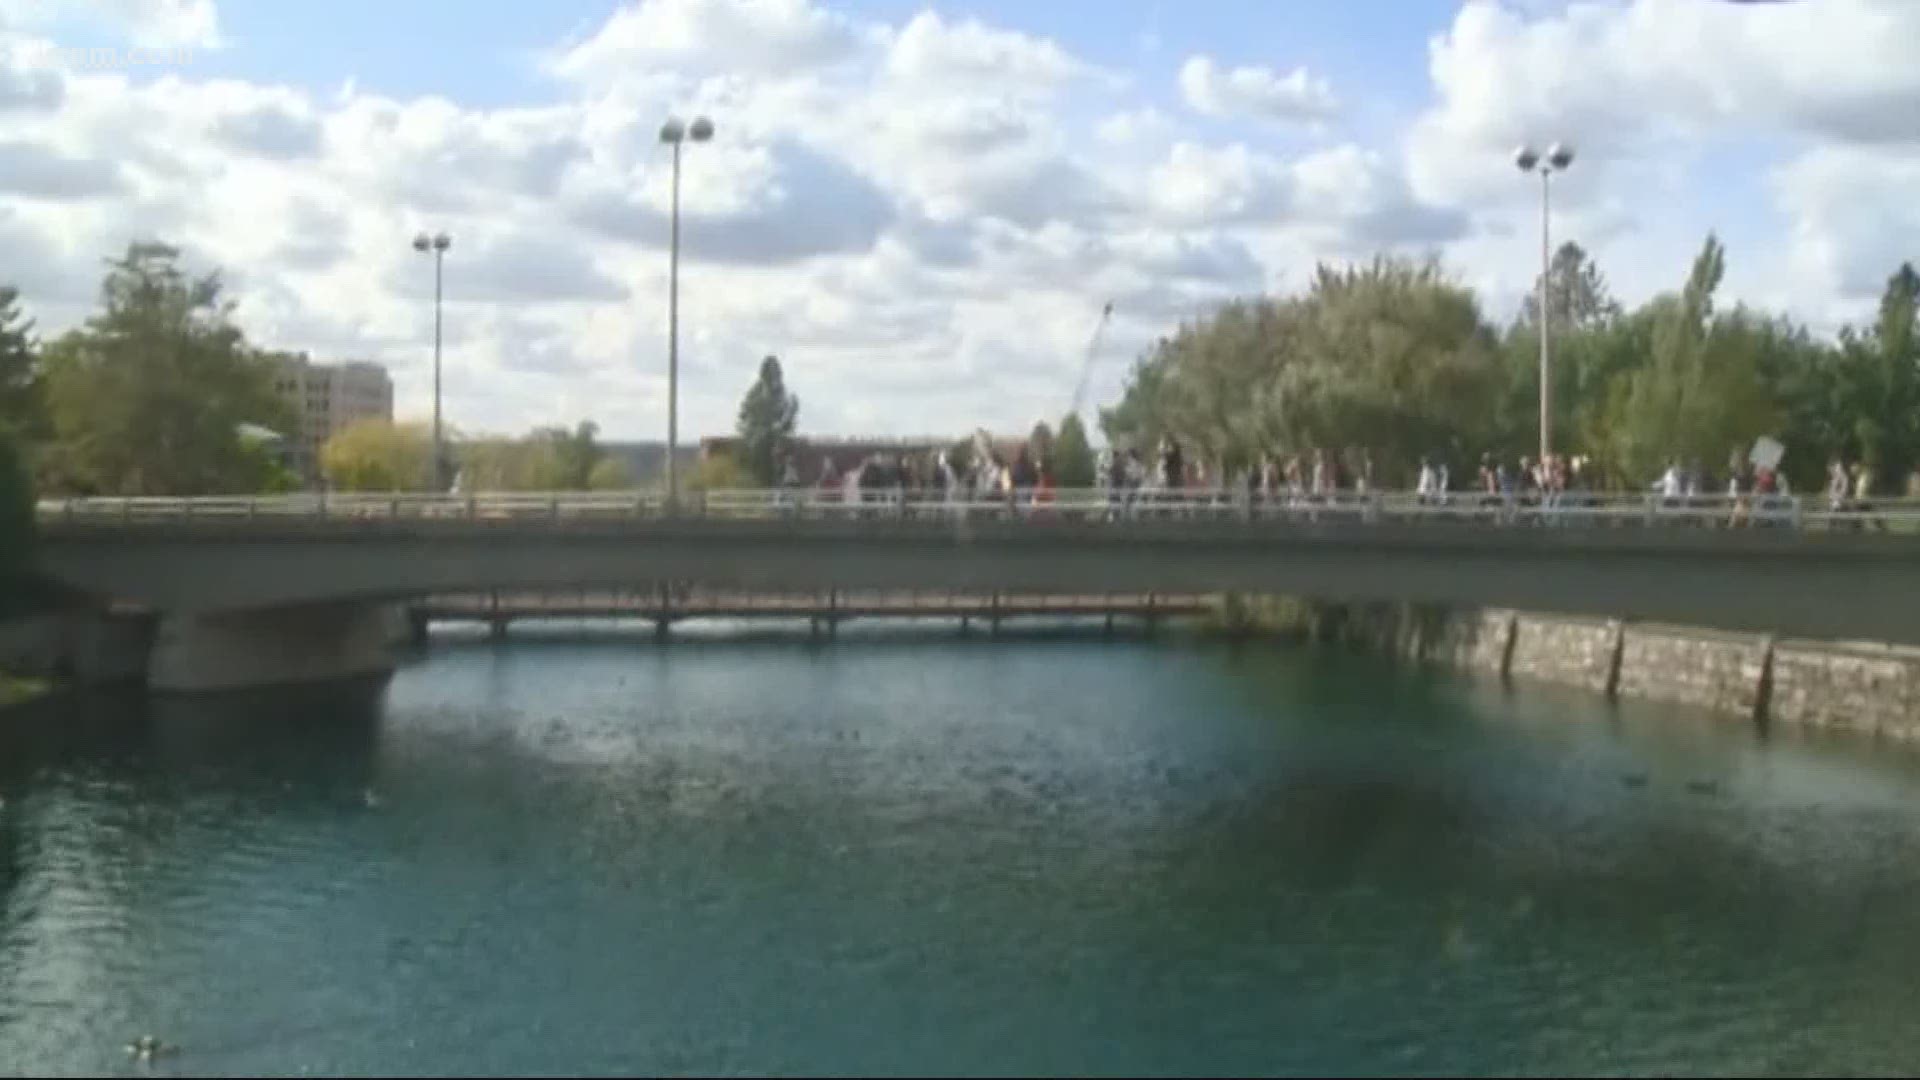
(1086, 366)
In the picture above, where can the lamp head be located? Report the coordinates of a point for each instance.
(1527, 158)
(421, 243)
(442, 242)
(672, 131)
(1560, 155)
(701, 129)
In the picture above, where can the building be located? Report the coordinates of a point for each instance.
(325, 399)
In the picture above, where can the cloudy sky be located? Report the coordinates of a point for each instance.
(921, 208)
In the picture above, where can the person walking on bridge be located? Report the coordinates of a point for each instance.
(1836, 485)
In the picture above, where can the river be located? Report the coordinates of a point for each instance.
(901, 853)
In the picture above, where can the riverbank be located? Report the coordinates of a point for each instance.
(48, 650)
(15, 690)
(1863, 687)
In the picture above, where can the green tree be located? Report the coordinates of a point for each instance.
(378, 455)
(720, 472)
(610, 474)
(20, 400)
(1073, 465)
(148, 398)
(533, 463)
(960, 456)
(1701, 395)
(1593, 341)
(575, 454)
(767, 417)
(16, 513)
(1392, 355)
(1040, 444)
(1577, 294)
(1872, 396)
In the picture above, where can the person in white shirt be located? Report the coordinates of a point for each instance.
(1670, 482)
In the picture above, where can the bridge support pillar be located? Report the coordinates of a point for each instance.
(966, 625)
(233, 650)
(497, 628)
(416, 626)
(662, 628)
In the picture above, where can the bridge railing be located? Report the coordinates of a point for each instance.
(1591, 509)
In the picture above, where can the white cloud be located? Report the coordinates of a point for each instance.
(1199, 184)
(968, 55)
(1298, 96)
(1651, 77)
(768, 37)
(1671, 103)
(39, 171)
(1133, 126)
(146, 23)
(1855, 216)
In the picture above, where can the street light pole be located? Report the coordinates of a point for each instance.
(1557, 158)
(438, 245)
(674, 133)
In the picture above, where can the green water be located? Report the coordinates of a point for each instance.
(903, 855)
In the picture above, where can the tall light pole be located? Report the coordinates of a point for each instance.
(1556, 159)
(674, 133)
(438, 245)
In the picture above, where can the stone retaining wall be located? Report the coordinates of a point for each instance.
(1872, 689)
(1579, 652)
(1867, 688)
(1709, 670)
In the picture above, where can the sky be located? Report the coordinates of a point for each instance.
(922, 208)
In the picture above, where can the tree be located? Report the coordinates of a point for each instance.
(767, 417)
(148, 398)
(1870, 405)
(538, 462)
(1073, 465)
(1392, 355)
(574, 455)
(378, 455)
(1701, 394)
(610, 474)
(719, 472)
(20, 402)
(1592, 342)
(16, 512)
(1040, 444)
(1577, 293)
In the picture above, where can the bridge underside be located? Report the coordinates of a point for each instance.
(207, 651)
(1833, 586)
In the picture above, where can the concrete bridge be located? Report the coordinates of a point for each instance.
(252, 590)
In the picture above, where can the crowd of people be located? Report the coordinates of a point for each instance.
(984, 472)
